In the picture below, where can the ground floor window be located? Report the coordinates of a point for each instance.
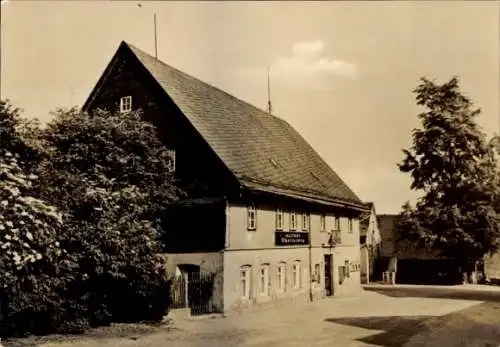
(281, 278)
(245, 281)
(296, 274)
(264, 279)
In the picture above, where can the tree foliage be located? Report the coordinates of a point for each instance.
(74, 265)
(451, 162)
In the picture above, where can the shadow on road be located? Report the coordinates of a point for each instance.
(396, 330)
(478, 325)
(438, 292)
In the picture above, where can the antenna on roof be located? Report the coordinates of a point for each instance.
(156, 45)
(269, 106)
(154, 22)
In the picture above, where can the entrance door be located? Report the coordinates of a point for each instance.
(328, 275)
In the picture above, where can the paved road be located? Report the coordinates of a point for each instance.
(401, 318)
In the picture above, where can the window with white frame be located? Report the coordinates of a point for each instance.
(336, 223)
(322, 222)
(125, 104)
(281, 277)
(296, 274)
(305, 221)
(279, 219)
(245, 282)
(171, 160)
(251, 217)
(293, 220)
(264, 282)
(349, 225)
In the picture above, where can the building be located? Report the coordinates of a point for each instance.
(410, 263)
(265, 215)
(369, 240)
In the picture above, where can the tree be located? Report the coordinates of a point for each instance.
(19, 135)
(31, 258)
(109, 174)
(451, 162)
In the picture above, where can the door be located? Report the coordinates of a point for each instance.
(328, 275)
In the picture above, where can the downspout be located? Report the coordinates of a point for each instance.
(226, 246)
(310, 259)
(226, 243)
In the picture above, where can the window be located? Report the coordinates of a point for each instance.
(296, 274)
(305, 220)
(126, 104)
(264, 283)
(349, 225)
(281, 278)
(293, 220)
(322, 222)
(336, 223)
(317, 273)
(245, 282)
(347, 269)
(171, 160)
(251, 217)
(279, 219)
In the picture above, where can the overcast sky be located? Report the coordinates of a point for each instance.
(342, 73)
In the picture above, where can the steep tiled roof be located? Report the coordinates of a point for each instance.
(264, 152)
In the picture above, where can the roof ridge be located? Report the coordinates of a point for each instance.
(186, 75)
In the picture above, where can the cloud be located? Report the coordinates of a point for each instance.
(306, 67)
(308, 61)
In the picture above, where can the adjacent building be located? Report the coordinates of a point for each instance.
(411, 264)
(264, 214)
(369, 240)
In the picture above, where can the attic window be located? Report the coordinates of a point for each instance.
(125, 104)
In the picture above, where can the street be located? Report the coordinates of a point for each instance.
(410, 316)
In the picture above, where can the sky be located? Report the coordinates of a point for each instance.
(342, 73)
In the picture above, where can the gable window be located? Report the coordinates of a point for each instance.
(251, 217)
(293, 220)
(305, 221)
(322, 222)
(171, 160)
(336, 223)
(265, 282)
(296, 274)
(125, 104)
(279, 219)
(349, 225)
(281, 278)
(245, 282)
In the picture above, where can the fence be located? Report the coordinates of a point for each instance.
(194, 290)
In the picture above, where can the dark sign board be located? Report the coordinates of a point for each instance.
(291, 238)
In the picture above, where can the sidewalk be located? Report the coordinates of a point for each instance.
(459, 287)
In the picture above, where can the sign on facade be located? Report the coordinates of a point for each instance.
(286, 238)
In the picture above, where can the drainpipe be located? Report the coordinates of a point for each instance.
(226, 245)
(310, 259)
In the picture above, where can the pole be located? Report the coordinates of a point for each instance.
(156, 46)
(269, 106)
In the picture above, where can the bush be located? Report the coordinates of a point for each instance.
(111, 189)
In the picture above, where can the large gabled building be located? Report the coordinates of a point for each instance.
(265, 214)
